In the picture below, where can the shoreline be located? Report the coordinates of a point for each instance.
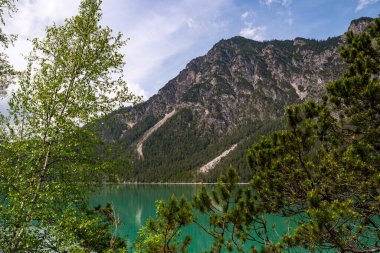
(165, 183)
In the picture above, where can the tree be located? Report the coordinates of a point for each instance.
(6, 70)
(323, 172)
(161, 234)
(9, 7)
(49, 151)
(223, 206)
(236, 221)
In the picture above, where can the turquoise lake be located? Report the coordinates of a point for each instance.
(136, 202)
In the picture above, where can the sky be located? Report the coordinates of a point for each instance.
(164, 35)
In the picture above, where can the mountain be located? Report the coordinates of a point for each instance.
(206, 117)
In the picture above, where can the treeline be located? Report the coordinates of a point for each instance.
(177, 149)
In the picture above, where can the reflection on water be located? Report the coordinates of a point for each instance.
(138, 217)
(135, 203)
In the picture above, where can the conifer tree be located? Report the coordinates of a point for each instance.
(324, 171)
(233, 222)
(162, 234)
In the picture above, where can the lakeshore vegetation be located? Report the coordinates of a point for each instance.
(322, 171)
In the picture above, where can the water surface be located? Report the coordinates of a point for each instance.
(136, 202)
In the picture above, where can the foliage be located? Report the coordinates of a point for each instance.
(323, 173)
(162, 234)
(235, 221)
(48, 160)
(99, 238)
(6, 70)
(7, 74)
(223, 206)
(9, 7)
(193, 148)
(179, 138)
(245, 135)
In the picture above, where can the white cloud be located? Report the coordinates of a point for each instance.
(270, 2)
(285, 9)
(31, 20)
(136, 89)
(363, 3)
(34, 15)
(249, 30)
(267, 2)
(248, 18)
(165, 37)
(17, 52)
(246, 15)
(152, 42)
(255, 33)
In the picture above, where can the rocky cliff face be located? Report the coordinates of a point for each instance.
(240, 79)
(237, 83)
(359, 25)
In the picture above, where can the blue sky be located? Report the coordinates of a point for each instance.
(167, 34)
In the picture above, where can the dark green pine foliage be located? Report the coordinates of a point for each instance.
(189, 149)
(222, 207)
(162, 234)
(244, 135)
(236, 222)
(105, 220)
(324, 172)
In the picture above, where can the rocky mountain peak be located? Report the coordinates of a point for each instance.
(359, 25)
(299, 41)
(219, 100)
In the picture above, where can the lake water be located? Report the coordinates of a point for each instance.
(136, 202)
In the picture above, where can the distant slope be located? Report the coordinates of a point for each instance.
(148, 133)
(211, 165)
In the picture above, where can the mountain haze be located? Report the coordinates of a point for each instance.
(206, 117)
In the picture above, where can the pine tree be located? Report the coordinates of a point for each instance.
(162, 234)
(324, 171)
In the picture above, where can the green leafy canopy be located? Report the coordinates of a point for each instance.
(48, 159)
